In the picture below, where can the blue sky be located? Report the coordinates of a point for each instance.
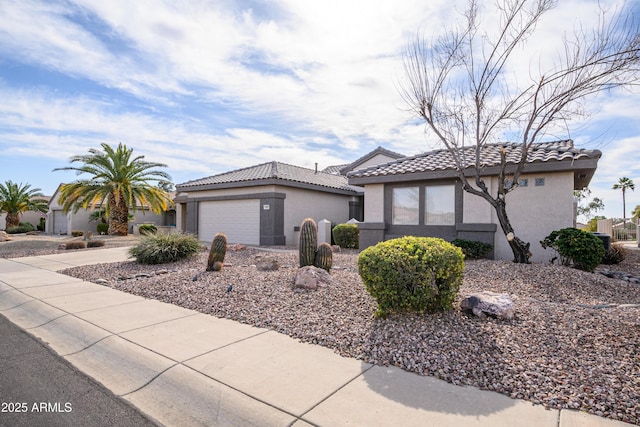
(209, 86)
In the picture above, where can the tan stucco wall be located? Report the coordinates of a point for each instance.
(374, 203)
(535, 212)
(301, 204)
(298, 205)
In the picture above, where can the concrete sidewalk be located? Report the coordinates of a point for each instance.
(184, 368)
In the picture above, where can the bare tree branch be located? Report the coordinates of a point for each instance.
(462, 85)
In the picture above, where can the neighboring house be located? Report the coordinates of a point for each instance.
(421, 195)
(266, 203)
(60, 222)
(32, 217)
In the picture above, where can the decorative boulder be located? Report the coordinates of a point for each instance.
(267, 264)
(311, 277)
(490, 304)
(3, 236)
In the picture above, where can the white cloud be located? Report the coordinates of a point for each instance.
(300, 82)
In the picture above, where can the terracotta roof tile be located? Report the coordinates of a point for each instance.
(274, 171)
(441, 160)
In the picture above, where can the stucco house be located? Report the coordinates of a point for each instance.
(265, 204)
(422, 195)
(60, 222)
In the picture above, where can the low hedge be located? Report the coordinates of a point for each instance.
(575, 247)
(346, 235)
(420, 274)
(473, 249)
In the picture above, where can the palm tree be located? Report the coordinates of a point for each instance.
(17, 198)
(118, 182)
(623, 184)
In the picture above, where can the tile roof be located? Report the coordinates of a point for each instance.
(442, 160)
(273, 171)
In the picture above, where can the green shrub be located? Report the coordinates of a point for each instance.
(41, 225)
(23, 227)
(77, 233)
(580, 248)
(102, 228)
(146, 229)
(473, 249)
(346, 235)
(164, 248)
(412, 274)
(75, 245)
(615, 255)
(95, 243)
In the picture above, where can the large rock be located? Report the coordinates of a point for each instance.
(311, 277)
(267, 264)
(3, 236)
(489, 303)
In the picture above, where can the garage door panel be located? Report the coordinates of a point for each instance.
(238, 219)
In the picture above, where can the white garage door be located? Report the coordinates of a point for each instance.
(238, 219)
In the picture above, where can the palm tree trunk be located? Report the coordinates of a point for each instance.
(12, 220)
(118, 216)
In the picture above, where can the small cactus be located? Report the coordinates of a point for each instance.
(324, 257)
(217, 252)
(308, 242)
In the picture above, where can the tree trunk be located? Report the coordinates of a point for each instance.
(12, 220)
(519, 248)
(118, 216)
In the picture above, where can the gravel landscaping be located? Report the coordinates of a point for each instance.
(22, 245)
(574, 343)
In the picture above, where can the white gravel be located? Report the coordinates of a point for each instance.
(562, 350)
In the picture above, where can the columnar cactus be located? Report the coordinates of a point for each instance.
(308, 242)
(324, 256)
(217, 252)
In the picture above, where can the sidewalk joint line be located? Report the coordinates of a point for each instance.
(336, 391)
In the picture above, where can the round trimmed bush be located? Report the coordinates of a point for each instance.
(580, 248)
(346, 235)
(164, 248)
(410, 273)
(102, 228)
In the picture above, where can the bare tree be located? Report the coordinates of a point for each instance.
(463, 86)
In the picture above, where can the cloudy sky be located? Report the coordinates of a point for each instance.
(207, 86)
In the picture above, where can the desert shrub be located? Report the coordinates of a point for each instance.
(615, 255)
(95, 243)
(420, 274)
(75, 245)
(41, 225)
(23, 227)
(346, 235)
(580, 248)
(473, 249)
(146, 229)
(102, 228)
(164, 248)
(77, 233)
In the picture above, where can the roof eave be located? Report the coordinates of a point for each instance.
(265, 182)
(585, 167)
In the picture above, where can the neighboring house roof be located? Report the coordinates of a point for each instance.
(335, 169)
(346, 168)
(273, 173)
(542, 157)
